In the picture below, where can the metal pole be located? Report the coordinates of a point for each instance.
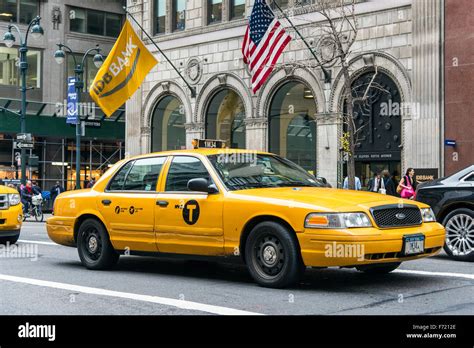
(23, 68)
(78, 85)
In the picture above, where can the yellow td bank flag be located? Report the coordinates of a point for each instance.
(123, 71)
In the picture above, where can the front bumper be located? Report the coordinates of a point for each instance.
(61, 230)
(11, 220)
(362, 246)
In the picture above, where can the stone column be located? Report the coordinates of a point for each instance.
(327, 146)
(256, 134)
(423, 138)
(193, 131)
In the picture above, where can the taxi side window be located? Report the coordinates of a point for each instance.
(144, 174)
(119, 178)
(183, 169)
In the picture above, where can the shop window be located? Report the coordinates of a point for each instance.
(214, 11)
(9, 73)
(168, 120)
(94, 22)
(179, 15)
(237, 9)
(22, 11)
(225, 119)
(160, 16)
(292, 125)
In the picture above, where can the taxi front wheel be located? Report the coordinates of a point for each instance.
(272, 255)
(94, 247)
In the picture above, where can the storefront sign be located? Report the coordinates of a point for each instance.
(426, 174)
(382, 156)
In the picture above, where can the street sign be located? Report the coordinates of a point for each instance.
(450, 142)
(25, 137)
(72, 112)
(22, 145)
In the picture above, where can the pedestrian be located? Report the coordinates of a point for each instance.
(91, 183)
(86, 182)
(388, 183)
(56, 190)
(407, 186)
(375, 184)
(358, 185)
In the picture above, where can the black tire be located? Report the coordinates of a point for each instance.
(282, 265)
(460, 249)
(11, 240)
(39, 215)
(94, 247)
(379, 268)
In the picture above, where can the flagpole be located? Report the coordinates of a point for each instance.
(191, 88)
(327, 75)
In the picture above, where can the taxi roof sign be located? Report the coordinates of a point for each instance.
(208, 143)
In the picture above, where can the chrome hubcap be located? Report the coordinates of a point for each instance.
(92, 245)
(460, 234)
(269, 255)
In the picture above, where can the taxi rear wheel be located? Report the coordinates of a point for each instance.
(382, 268)
(272, 255)
(94, 247)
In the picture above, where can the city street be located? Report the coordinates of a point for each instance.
(54, 282)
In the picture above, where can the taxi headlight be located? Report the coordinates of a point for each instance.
(428, 215)
(337, 220)
(13, 199)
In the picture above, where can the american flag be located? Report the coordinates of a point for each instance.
(264, 41)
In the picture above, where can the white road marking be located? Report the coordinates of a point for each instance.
(130, 296)
(36, 242)
(440, 274)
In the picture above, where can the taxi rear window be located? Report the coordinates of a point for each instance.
(140, 175)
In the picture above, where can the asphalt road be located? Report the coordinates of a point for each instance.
(51, 280)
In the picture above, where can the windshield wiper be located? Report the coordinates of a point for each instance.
(294, 183)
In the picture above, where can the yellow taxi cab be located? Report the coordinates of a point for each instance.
(257, 206)
(11, 215)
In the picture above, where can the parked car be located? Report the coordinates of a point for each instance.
(452, 200)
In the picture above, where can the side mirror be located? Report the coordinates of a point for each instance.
(201, 185)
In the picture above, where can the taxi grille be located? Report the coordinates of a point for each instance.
(3, 202)
(395, 216)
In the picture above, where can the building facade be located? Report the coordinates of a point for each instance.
(296, 113)
(459, 83)
(79, 25)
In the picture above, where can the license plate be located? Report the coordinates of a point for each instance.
(414, 244)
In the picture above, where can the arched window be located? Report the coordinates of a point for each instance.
(292, 126)
(167, 132)
(225, 118)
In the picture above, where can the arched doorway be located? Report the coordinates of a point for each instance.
(292, 125)
(167, 126)
(225, 118)
(378, 119)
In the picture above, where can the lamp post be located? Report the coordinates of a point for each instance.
(9, 39)
(59, 56)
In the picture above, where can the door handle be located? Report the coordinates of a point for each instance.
(163, 204)
(106, 201)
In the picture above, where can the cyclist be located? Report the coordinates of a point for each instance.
(26, 195)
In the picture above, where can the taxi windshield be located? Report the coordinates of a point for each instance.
(241, 171)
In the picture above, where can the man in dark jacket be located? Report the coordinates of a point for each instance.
(56, 190)
(389, 184)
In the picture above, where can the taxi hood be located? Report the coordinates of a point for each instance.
(322, 199)
(6, 189)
